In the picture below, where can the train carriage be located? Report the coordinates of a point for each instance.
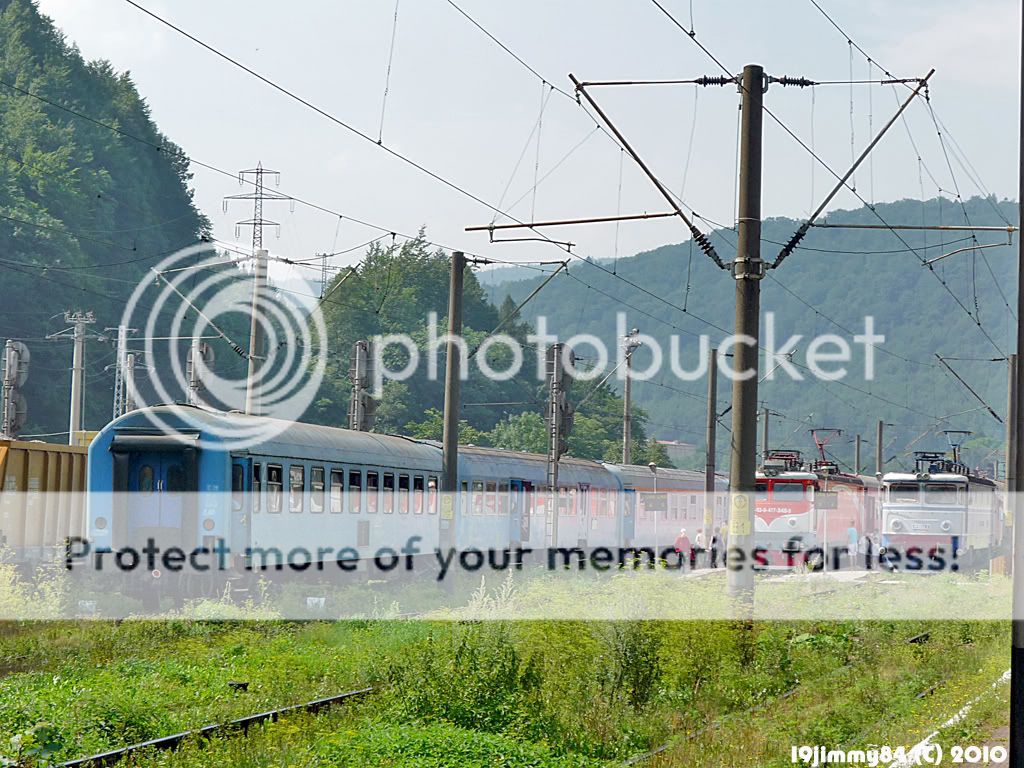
(659, 503)
(41, 497)
(314, 485)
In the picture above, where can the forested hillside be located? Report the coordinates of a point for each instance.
(829, 285)
(394, 291)
(85, 210)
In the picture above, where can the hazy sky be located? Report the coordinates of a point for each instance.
(463, 108)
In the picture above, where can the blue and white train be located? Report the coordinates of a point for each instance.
(322, 485)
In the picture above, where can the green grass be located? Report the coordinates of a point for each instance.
(341, 739)
(474, 692)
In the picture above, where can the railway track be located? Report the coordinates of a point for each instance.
(242, 724)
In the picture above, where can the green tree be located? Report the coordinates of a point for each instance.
(88, 210)
(432, 428)
(521, 432)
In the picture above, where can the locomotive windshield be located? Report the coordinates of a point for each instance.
(788, 491)
(905, 493)
(943, 493)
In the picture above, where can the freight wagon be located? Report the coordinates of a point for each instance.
(42, 498)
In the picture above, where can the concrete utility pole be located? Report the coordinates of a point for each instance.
(709, 446)
(554, 413)
(1017, 430)
(10, 369)
(630, 343)
(765, 415)
(1011, 436)
(129, 383)
(14, 408)
(748, 270)
(121, 360)
(78, 320)
(195, 379)
(361, 406)
(879, 460)
(452, 402)
(856, 455)
(256, 352)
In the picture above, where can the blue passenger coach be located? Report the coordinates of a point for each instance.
(312, 486)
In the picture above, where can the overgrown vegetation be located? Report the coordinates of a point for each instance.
(538, 693)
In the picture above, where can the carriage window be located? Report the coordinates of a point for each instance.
(503, 497)
(175, 479)
(355, 491)
(432, 494)
(145, 479)
(337, 491)
(786, 491)
(237, 485)
(372, 484)
(464, 499)
(275, 487)
(904, 492)
(296, 487)
(403, 494)
(417, 495)
(316, 490)
(943, 493)
(760, 491)
(389, 493)
(478, 497)
(490, 502)
(257, 486)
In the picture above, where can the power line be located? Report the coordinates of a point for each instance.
(321, 111)
(839, 325)
(829, 168)
(229, 174)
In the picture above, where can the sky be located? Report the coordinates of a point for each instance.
(460, 106)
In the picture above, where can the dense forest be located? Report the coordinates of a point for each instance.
(84, 210)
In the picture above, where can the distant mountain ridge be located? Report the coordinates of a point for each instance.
(835, 279)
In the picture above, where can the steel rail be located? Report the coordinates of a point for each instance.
(243, 723)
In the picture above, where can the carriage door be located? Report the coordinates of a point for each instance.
(628, 516)
(583, 509)
(241, 499)
(517, 513)
(156, 485)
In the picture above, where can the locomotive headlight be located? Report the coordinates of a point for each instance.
(100, 524)
(792, 522)
(945, 525)
(208, 524)
(897, 525)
